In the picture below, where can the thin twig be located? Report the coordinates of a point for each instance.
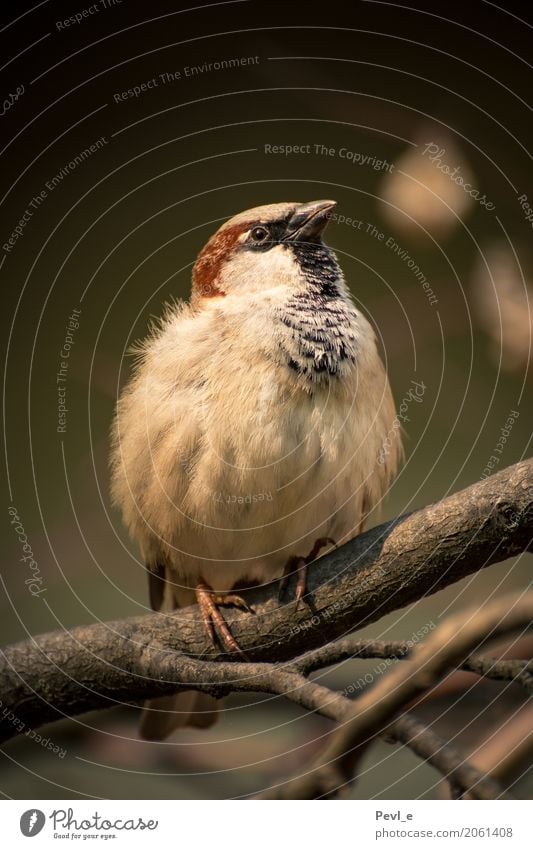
(454, 767)
(68, 672)
(376, 707)
(520, 671)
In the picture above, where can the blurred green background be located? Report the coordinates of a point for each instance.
(116, 238)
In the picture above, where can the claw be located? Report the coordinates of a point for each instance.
(299, 565)
(284, 580)
(320, 543)
(301, 581)
(232, 600)
(214, 623)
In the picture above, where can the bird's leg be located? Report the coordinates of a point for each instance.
(214, 623)
(320, 543)
(299, 565)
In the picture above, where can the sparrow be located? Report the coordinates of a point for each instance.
(251, 436)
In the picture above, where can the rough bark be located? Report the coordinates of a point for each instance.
(69, 672)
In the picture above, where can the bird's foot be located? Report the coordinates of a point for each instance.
(214, 623)
(299, 565)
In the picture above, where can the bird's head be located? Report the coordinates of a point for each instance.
(262, 248)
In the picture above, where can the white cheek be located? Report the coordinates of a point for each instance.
(251, 271)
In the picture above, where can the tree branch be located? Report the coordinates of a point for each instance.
(373, 711)
(520, 671)
(461, 775)
(68, 672)
(406, 729)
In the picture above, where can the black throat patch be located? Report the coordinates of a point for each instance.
(322, 323)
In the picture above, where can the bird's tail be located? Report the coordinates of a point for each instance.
(162, 716)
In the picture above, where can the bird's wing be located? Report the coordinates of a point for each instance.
(156, 585)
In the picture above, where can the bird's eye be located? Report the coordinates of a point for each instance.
(259, 234)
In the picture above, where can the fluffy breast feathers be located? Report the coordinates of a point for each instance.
(225, 460)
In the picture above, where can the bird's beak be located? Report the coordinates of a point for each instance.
(309, 220)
